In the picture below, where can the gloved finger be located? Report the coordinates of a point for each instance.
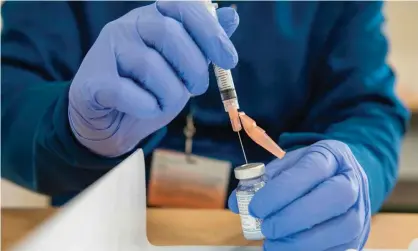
(171, 40)
(273, 167)
(204, 29)
(150, 70)
(126, 96)
(278, 165)
(229, 19)
(357, 243)
(232, 202)
(340, 230)
(323, 205)
(316, 166)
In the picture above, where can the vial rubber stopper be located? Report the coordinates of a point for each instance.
(249, 171)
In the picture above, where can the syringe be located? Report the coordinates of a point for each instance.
(231, 105)
(226, 84)
(227, 88)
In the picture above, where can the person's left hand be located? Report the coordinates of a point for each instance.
(316, 198)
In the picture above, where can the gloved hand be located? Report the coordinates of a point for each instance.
(316, 198)
(142, 70)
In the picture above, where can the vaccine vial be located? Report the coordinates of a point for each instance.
(251, 179)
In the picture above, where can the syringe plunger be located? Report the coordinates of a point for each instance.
(226, 84)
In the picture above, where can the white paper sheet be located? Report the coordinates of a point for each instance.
(108, 216)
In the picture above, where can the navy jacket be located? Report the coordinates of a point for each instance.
(307, 71)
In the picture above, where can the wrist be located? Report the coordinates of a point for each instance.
(57, 141)
(100, 141)
(111, 142)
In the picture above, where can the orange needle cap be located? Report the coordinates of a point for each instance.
(258, 135)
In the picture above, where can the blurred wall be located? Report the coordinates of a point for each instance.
(402, 30)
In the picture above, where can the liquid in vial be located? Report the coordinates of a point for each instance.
(251, 179)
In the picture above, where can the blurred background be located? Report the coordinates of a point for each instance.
(402, 31)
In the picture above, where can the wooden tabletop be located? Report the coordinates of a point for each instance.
(209, 227)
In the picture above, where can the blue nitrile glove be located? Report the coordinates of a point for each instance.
(142, 70)
(316, 198)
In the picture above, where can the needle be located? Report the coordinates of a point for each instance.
(242, 147)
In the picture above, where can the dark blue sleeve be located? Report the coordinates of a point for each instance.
(353, 98)
(41, 52)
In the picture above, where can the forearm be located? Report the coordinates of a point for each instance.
(354, 99)
(39, 57)
(373, 130)
(39, 150)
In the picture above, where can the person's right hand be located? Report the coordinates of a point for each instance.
(142, 70)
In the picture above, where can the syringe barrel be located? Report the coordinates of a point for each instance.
(223, 77)
(226, 88)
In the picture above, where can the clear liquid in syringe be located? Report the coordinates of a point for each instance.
(226, 88)
(224, 78)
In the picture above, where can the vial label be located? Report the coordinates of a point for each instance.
(250, 225)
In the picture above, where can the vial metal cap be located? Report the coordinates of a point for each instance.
(249, 171)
